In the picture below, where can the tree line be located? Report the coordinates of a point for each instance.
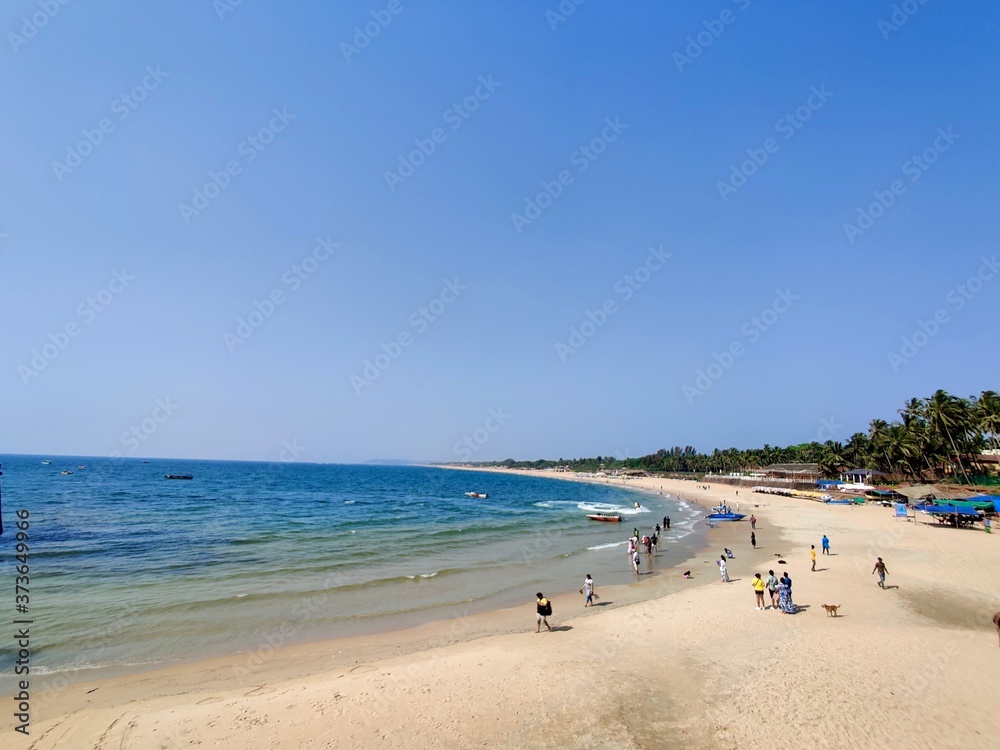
(934, 438)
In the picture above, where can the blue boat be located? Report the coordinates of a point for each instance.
(726, 516)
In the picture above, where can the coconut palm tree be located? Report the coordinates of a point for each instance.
(948, 416)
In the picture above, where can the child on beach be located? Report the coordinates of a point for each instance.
(588, 589)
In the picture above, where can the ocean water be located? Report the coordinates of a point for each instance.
(129, 570)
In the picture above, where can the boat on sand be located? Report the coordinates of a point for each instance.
(724, 513)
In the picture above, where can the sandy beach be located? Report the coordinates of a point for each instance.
(664, 662)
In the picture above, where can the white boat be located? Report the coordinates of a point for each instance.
(480, 495)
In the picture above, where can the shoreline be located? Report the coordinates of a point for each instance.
(395, 624)
(693, 664)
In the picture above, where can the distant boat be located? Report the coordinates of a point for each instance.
(604, 517)
(178, 476)
(65, 472)
(480, 495)
(81, 466)
(46, 462)
(145, 462)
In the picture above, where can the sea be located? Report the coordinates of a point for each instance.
(130, 571)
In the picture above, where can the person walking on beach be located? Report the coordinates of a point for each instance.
(635, 561)
(826, 545)
(758, 590)
(543, 610)
(882, 571)
(588, 589)
(722, 569)
(812, 556)
(753, 540)
(753, 521)
(772, 587)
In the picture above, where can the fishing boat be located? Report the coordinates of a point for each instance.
(178, 476)
(46, 462)
(605, 517)
(480, 495)
(65, 472)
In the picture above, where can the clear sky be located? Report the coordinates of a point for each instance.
(214, 216)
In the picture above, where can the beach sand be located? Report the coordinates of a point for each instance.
(665, 662)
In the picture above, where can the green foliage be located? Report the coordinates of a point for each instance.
(934, 437)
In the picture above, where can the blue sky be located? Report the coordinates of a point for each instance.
(685, 170)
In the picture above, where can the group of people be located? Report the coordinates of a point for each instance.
(779, 591)
(649, 541)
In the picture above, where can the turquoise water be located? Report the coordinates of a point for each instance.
(130, 570)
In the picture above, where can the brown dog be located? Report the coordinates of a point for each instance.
(996, 621)
(831, 610)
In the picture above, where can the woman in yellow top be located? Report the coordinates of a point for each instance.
(812, 555)
(758, 589)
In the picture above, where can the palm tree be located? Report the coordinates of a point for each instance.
(858, 450)
(831, 458)
(987, 415)
(947, 414)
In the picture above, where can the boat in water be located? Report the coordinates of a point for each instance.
(46, 462)
(480, 495)
(65, 472)
(178, 476)
(605, 517)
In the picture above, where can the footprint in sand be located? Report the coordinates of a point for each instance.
(262, 690)
(362, 668)
(213, 699)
